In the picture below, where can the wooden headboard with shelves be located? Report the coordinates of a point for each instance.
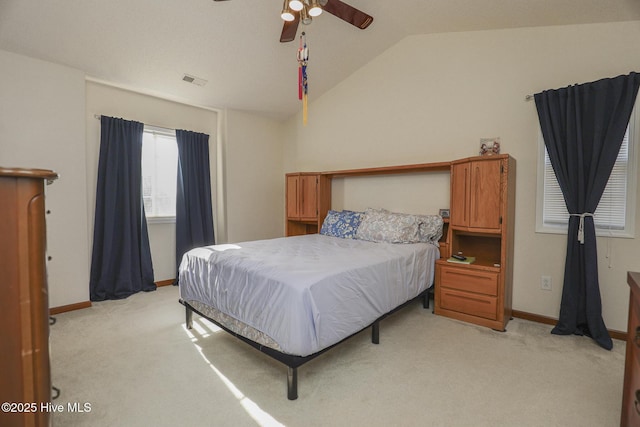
(308, 195)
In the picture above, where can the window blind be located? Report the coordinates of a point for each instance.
(611, 211)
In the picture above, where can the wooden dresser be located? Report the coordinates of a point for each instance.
(24, 306)
(631, 390)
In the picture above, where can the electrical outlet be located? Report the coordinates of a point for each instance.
(545, 283)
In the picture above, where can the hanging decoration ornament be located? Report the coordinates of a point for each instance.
(303, 57)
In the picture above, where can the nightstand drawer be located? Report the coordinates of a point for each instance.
(468, 303)
(464, 279)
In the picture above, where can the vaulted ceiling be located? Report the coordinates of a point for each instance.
(149, 45)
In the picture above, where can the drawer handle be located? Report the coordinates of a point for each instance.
(637, 338)
(636, 401)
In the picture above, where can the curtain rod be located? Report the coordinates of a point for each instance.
(99, 116)
(528, 97)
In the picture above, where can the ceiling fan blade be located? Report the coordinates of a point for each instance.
(348, 13)
(289, 29)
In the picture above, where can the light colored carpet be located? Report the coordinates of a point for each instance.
(135, 364)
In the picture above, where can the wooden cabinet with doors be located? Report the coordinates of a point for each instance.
(481, 226)
(475, 194)
(308, 198)
(24, 306)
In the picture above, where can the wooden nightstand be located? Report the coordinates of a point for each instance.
(481, 226)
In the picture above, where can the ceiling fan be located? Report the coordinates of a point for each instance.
(296, 11)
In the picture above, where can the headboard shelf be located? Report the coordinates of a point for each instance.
(388, 170)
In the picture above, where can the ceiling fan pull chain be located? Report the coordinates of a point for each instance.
(303, 57)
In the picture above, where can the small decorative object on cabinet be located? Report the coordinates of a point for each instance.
(489, 146)
(24, 306)
(481, 227)
(631, 389)
(308, 201)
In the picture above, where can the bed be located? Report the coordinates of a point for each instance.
(294, 298)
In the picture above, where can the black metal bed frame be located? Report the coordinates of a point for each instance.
(293, 362)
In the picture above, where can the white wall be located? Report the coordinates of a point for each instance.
(254, 177)
(42, 126)
(432, 97)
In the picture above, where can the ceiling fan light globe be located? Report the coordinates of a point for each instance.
(287, 15)
(314, 8)
(315, 11)
(296, 5)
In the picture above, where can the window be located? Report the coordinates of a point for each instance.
(159, 172)
(615, 215)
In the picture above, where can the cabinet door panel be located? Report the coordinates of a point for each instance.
(308, 197)
(485, 195)
(459, 195)
(292, 197)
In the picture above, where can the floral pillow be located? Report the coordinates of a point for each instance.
(341, 224)
(430, 228)
(380, 225)
(385, 226)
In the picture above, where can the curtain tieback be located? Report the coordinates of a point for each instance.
(581, 225)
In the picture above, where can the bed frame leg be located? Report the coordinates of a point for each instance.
(425, 300)
(188, 317)
(292, 383)
(375, 332)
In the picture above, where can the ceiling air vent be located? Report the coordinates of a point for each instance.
(193, 79)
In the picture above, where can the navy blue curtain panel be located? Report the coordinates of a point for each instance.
(583, 127)
(194, 216)
(121, 259)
